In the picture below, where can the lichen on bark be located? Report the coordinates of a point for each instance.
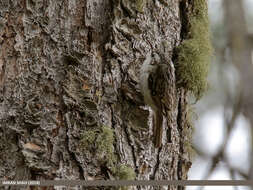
(100, 140)
(194, 53)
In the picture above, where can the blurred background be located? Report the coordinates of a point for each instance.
(223, 126)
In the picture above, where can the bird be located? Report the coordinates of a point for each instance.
(154, 81)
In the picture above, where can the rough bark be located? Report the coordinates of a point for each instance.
(71, 106)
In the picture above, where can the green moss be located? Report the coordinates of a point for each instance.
(105, 144)
(88, 137)
(125, 173)
(194, 54)
(188, 130)
(140, 5)
(103, 140)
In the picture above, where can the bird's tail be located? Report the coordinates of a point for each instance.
(158, 129)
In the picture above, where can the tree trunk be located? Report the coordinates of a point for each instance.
(71, 106)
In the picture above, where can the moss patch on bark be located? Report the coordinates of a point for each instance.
(194, 53)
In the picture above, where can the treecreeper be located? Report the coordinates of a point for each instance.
(154, 81)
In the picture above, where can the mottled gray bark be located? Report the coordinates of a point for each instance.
(69, 75)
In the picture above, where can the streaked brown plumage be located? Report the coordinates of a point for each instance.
(154, 87)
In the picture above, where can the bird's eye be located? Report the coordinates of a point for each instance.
(151, 85)
(150, 80)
